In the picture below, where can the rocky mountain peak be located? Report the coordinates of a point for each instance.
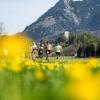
(67, 15)
(66, 2)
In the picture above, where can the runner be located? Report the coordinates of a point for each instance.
(33, 51)
(48, 48)
(40, 50)
(58, 50)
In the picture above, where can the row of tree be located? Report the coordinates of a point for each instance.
(83, 44)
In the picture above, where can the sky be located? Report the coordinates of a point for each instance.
(17, 14)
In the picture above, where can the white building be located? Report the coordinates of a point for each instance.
(65, 35)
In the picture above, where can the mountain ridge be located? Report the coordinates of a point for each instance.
(66, 15)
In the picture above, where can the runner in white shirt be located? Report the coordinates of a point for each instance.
(33, 51)
(58, 50)
(48, 49)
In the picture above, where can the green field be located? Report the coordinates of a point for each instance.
(63, 79)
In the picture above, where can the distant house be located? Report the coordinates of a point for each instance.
(65, 35)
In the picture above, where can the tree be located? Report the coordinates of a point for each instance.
(2, 28)
(88, 44)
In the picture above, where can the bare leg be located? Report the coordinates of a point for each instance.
(47, 57)
(34, 57)
(57, 56)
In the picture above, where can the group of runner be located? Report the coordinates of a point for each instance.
(44, 49)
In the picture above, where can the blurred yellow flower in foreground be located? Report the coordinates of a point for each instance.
(50, 66)
(16, 68)
(85, 90)
(77, 71)
(2, 64)
(92, 62)
(39, 75)
(15, 65)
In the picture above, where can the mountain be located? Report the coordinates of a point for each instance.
(67, 15)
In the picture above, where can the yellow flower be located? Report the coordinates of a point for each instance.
(16, 68)
(78, 71)
(39, 75)
(2, 65)
(85, 90)
(66, 66)
(15, 65)
(57, 65)
(92, 62)
(29, 62)
(50, 66)
(43, 66)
